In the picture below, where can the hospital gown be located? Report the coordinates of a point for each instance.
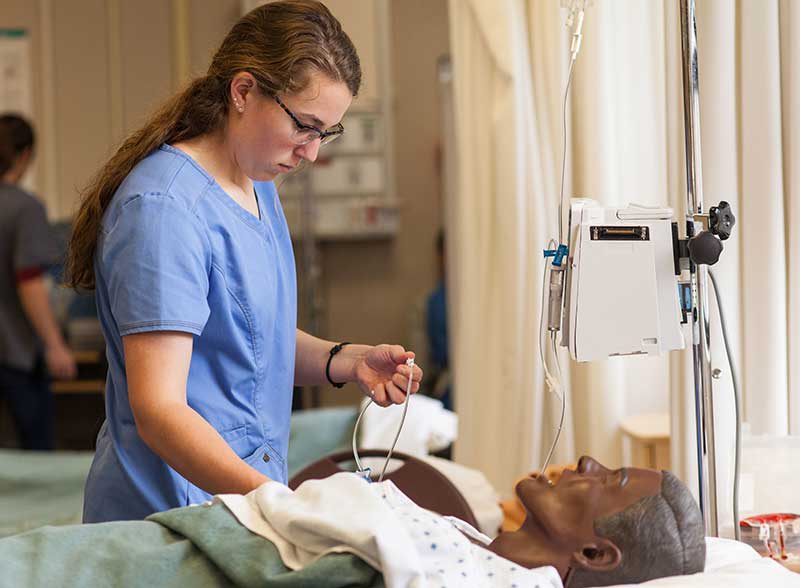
(411, 546)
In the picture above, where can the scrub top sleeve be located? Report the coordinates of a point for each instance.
(34, 240)
(156, 260)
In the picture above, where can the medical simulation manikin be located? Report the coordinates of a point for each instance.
(601, 527)
(595, 527)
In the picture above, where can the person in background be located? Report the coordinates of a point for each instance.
(436, 328)
(31, 346)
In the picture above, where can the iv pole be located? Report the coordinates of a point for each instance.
(701, 351)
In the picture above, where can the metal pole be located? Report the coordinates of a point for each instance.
(701, 351)
(311, 266)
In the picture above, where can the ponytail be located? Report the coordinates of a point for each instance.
(198, 109)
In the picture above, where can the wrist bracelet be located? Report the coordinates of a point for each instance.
(334, 350)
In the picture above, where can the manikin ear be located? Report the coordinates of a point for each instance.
(599, 555)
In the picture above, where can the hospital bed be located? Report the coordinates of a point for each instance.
(205, 546)
(41, 488)
(46, 488)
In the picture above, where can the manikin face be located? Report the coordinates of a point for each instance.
(559, 528)
(590, 492)
(261, 134)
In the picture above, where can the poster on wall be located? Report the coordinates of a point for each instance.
(16, 88)
(16, 93)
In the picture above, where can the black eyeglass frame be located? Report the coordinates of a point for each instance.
(323, 136)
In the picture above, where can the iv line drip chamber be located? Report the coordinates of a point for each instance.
(622, 294)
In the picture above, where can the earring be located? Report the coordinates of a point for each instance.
(239, 107)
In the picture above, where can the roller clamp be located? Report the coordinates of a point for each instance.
(558, 255)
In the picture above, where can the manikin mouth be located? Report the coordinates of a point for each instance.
(544, 480)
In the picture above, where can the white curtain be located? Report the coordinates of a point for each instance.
(510, 62)
(498, 222)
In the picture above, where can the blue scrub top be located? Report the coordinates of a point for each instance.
(176, 253)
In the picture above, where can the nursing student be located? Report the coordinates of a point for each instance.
(184, 241)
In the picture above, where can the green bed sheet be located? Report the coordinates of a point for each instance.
(197, 546)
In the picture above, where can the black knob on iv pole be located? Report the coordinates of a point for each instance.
(721, 220)
(706, 246)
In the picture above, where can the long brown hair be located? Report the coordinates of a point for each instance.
(279, 44)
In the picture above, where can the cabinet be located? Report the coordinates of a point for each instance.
(348, 193)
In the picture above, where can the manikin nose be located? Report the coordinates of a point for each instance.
(588, 465)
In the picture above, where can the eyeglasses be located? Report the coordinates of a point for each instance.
(304, 133)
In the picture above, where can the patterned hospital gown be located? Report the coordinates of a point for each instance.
(451, 559)
(411, 546)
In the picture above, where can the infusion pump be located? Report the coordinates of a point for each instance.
(621, 284)
(622, 294)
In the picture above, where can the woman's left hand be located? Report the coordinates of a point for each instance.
(383, 375)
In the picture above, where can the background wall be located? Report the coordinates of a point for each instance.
(371, 287)
(102, 65)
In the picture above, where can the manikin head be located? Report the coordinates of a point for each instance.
(600, 527)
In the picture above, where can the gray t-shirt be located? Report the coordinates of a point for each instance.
(26, 242)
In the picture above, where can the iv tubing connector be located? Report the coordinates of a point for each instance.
(556, 297)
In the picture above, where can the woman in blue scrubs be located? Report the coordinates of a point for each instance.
(183, 238)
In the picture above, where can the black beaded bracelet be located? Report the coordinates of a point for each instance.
(334, 350)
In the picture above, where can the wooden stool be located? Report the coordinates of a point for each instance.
(645, 441)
